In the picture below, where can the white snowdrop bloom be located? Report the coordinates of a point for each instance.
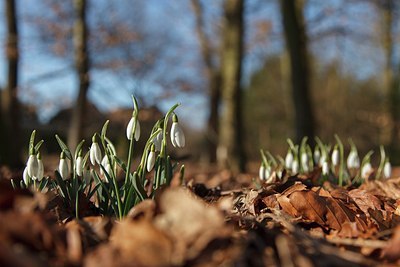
(335, 157)
(267, 173)
(151, 159)
(366, 170)
(316, 155)
(304, 162)
(387, 170)
(295, 166)
(95, 153)
(79, 166)
(63, 168)
(109, 170)
(177, 135)
(158, 141)
(25, 176)
(261, 172)
(325, 168)
(32, 166)
(322, 159)
(129, 128)
(353, 161)
(289, 160)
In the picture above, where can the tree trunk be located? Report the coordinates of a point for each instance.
(10, 111)
(296, 42)
(80, 35)
(231, 153)
(213, 74)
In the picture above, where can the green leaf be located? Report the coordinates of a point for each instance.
(78, 148)
(64, 147)
(62, 186)
(138, 188)
(38, 145)
(120, 163)
(32, 143)
(104, 131)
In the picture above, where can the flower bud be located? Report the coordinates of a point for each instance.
(325, 168)
(79, 166)
(295, 166)
(33, 166)
(25, 176)
(335, 157)
(366, 170)
(151, 159)
(40, 172)
(289, 160)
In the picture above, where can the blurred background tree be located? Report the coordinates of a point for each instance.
(248, 77)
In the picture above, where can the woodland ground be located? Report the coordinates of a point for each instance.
(216, 220)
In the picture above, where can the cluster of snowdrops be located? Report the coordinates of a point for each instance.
(331, 161)
(93, 173)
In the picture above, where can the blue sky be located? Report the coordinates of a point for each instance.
(110, 91)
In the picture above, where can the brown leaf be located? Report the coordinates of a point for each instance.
(309, 205)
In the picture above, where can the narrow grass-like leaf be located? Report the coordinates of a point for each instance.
(61, 184)
(64, 147)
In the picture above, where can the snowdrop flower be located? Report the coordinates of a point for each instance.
(104, 163)
(63, 168)
(95, 152)
(325, 168)
(151, 159)
(129, 128)
(79, 165)
(32, 166)
(335, 157)
(177, 135)
(366, 170)
(289, 160)
(158, 141)
(322, 159)
(267, 173)
(317, 155)
(40, 172)
(387, 169)
(295, 166)
(353, 161)
(304, 162)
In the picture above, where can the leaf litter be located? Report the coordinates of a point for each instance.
(292, 223)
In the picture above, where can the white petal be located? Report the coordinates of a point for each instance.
(335, 157)
(295, 166)
(79, 166)
(25, 176)
(151, 161)
(387, 170)
(137, 131)
(63, 169)
(129, 128)
(157, 141)
(40, 172)
(366, 170)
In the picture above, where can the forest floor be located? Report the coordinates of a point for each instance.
(215, 220)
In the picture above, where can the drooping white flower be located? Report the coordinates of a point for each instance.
(63, 168)
(295, 166)
(177, 135)
(366, 170)
(289, 160)
(335, 157)
(32, 166)
(129, 128)
(79, 166)
(151, 159)
(304, 162)
(325, 168)
(387, 170)
(109, 170)
(95, 152)
(322, 159)
(25, 176)
(353, 161)
(268, 173)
